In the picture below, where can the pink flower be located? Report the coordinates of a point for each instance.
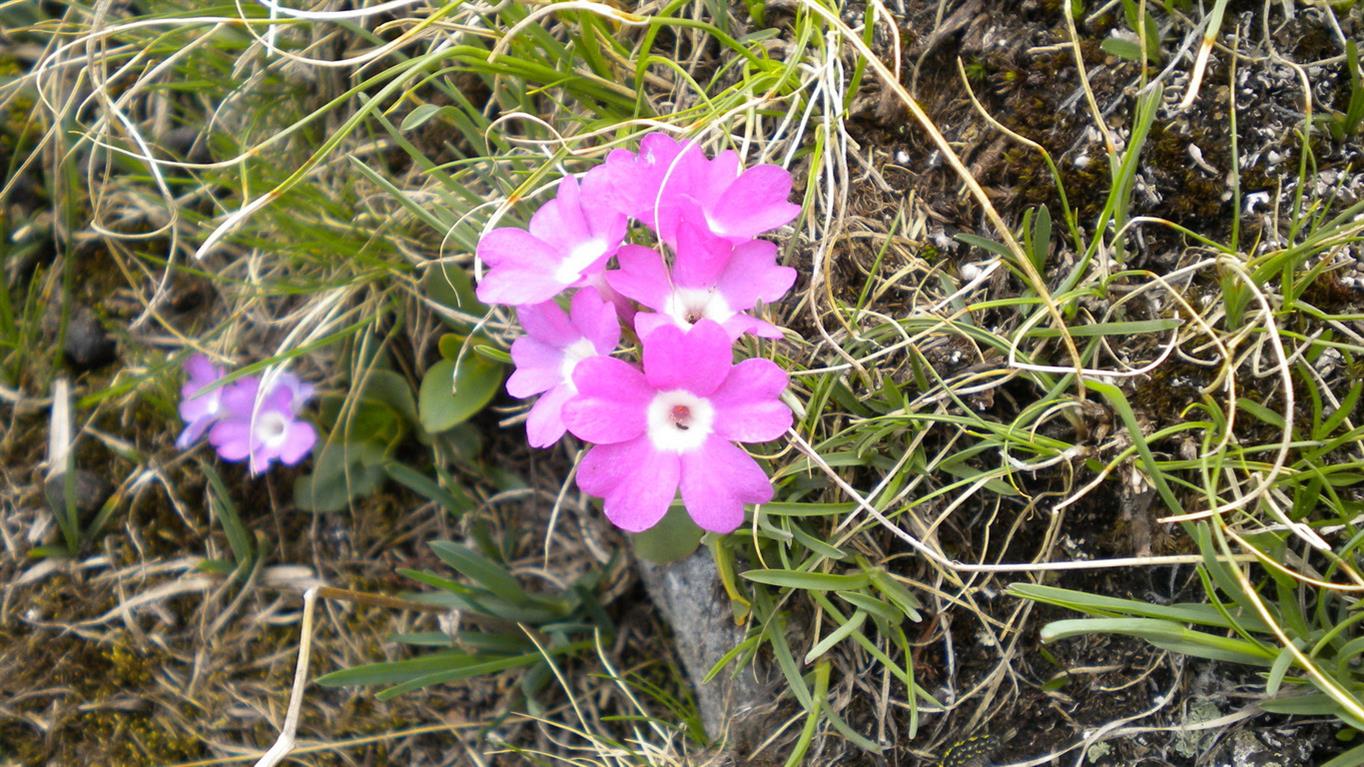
(262, 431)
(673, 426)
(667, 180)
(711, 279)
(634, 179)
(199, 407)
(570, 239)
(554, 344)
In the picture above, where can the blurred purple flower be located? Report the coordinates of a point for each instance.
(261, 429)
(198, 407)
(241, 425)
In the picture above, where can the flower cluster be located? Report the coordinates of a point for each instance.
(671, 424)
(242, 422)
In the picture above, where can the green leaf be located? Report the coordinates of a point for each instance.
(675, 537)
(341, 471)
(399, 671)
(220, 502)
(392, 389)
(1041, 239)
(417, 117)
(1123, 48)
(1165, 635)
(901, 596)
(481, 570)
(796, 579)
(449, 397)
(837, 635)
(477, 669)
(426, 487)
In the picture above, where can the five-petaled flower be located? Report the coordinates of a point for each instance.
(667, 181)
(261, 429)
(554, 344)
(240, 423)
(568, 245)
(711, 279)
(673, 426)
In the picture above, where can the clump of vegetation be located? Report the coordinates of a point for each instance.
(1073, 363)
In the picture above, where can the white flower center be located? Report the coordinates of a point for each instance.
(688, 306)
(271, 428)
(582, 256)
(679, 421)
(573, 354)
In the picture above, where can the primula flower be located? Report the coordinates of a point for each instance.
(667, 180)
(673, 425)
(570, 239)
(199, 407)
(711, 279)
(261, 431)
(300, 391)
(554, 344)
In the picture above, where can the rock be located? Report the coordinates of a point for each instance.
(87, 345)
(90, 490)
(693, 601)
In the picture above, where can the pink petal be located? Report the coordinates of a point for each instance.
(545, 425)
(717, 481)
(752, 275)
(624, 307)
(701, 257)
(279, 399)
(517, 285)
(239, 397)
(231, 438)
(511, 242)
(647, 322)
(203, 406)
(617, 183)
(193, 432)
(595, 320)
(642, 276)
(201, 371)
(754, 203)
(721, 173)
(637, 482)
(560, 222)
(522, 269)
(547, 323)
(611, 402)
(747, 404)
(697, 360)
(741, 324)
(538, 367)
(297, 442)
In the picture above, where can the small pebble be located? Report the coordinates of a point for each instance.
(87, 345)
(91, 490)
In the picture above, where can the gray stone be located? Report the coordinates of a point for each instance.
(693, 601)
(90, 491)
(87, 345)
